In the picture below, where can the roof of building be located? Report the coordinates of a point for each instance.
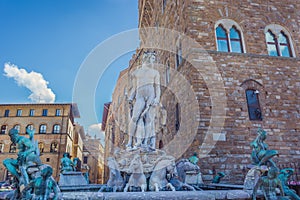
(74, 107)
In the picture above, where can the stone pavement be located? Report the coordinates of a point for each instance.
(177, 195)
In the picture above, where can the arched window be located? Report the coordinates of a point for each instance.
(54, 147)
(41, 147)
(56, 128)
(279, 41)
(229, 36)
(222, 39)
(272, 44)
(253, 104)
(235, 40)
(30, 127)
(43, 129)
(3, 129)
(284, 45)
(1, 147)
(18, 127)
(13, 148)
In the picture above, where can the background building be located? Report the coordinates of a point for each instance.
(93, 159)
(55, 131)
(252, 47)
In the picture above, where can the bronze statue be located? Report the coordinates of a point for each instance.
(284, 176)
(261, 155)
(218, 177)
(27, 155)
(33, 180)
(43, 185)
(268, 185)
(66, 164)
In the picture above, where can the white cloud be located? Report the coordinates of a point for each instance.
(33, 81)
(95, 130)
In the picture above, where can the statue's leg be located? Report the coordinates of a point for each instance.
(140, 133)
(137, 110)
(189, 187)
(152, 143)
(150, 127)
(126, 188)
(11, 165)
(169, 185)
(143, 187)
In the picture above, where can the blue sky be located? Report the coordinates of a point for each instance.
(53, 37)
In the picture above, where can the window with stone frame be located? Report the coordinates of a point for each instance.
(1, 147)
(58, 112)
(85, 159)
(18, 127)
(3, 129)
(30, 127)
(13, 148)
(222, 39)
(278, 41)
(19, 113)
(31, 112)
(168, 73)
(178, 55)
(6, 113)
(54, 147)
(56, 129)
(163, 6)
(229, 37)
(45, 112)
(43, 129)
(41, 146)
(254, 109)
(177, 117)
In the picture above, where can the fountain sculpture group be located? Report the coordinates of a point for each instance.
(140, 166)
(31, 178)
(265, 175)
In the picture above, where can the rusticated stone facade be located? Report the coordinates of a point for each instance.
(222, 146)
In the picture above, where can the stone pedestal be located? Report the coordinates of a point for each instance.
(193, 178)
(72, 179)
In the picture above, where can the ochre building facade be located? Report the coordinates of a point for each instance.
(55, 131)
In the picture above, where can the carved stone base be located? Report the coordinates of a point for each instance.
(193, 178)
(72, 179)
(124, 158)
(253, 175)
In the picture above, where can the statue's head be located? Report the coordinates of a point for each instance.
(221, 174)
(66, 155)
(47, 171)
(13, 133)
(272, 173)
(149, 57)
(262, 133)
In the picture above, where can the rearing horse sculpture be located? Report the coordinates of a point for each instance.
(137, 177)
(158, 179)
(115, 181)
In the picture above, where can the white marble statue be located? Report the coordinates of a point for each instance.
(144, 97)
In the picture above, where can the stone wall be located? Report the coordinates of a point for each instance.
(225, 146)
